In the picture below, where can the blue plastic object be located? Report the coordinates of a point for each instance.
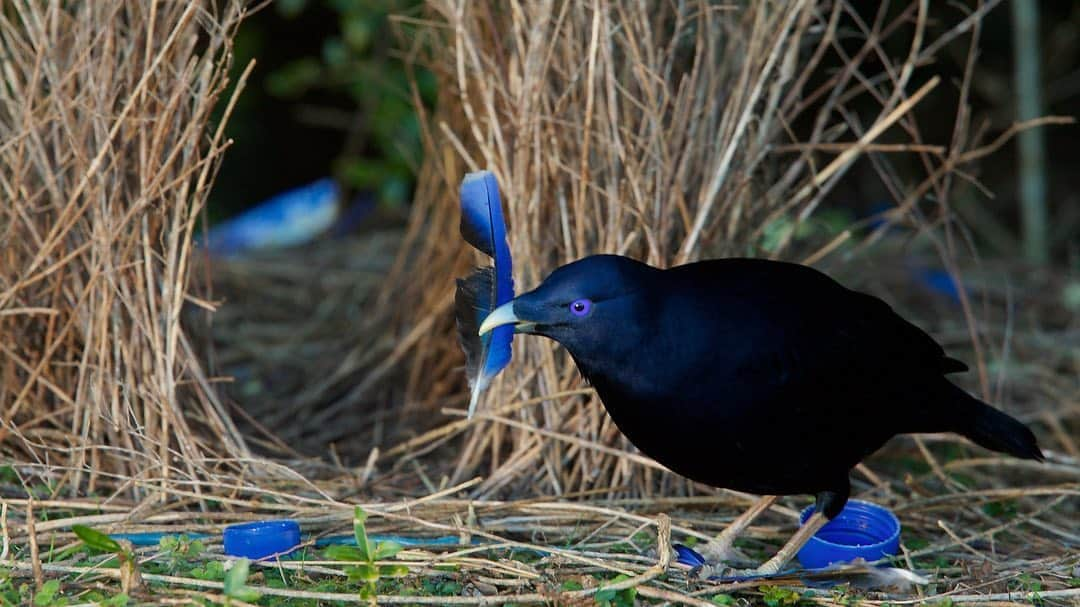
(861, 530)
(939, 282)
(290, 218)
(482, 226)
(262, 539)
(153, 538)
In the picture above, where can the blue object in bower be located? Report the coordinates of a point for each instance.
(861, 530)
(262, 539)
(940, 282)
(289, 218)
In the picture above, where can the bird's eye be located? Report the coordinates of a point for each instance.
(581, 307)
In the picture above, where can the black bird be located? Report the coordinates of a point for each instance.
(760, 376)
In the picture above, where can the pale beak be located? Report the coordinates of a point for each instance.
(503, 315)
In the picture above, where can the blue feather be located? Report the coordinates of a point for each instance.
(483, 227)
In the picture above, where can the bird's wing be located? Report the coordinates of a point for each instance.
(787, 330)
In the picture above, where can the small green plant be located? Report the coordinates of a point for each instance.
(178, 552)
(777, 596)
(606, 597)
(236, 588)
(842, 595)
(212, 570)
(101, 599)
(1029, 583)
(367, 552)
(125, 555)
(49, 595)
(571, 586)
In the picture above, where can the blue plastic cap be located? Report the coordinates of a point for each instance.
(861, 530)
(261, 539)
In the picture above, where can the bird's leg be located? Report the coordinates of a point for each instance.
(829, 504)
(721, 548)
(792, 547)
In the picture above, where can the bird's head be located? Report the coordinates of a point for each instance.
(585, 305)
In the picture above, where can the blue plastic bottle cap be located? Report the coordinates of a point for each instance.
(261, 539)
(861, 530)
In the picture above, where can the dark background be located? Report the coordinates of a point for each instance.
(330, 96)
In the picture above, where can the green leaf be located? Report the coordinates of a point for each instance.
(723, 599)
(363, 573)
(168, 543)
(775, 596)
(120, 600)
(246, 594)
(605, 596)
(236, 577)
(387, 550)
(213, 570)
(96, 539)
(344, 553)
(360, 532)
(393, 571)
(196, 548)
(47, 594)
(368, 593)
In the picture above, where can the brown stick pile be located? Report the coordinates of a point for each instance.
(107, 153)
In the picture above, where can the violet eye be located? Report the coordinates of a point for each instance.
(581, 307)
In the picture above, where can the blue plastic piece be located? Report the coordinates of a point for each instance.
(877, 214)
(350, 540)
(483, 226)
(290, 218)
(262, 539)
(939, 282)
(861, 530)
(153, 538)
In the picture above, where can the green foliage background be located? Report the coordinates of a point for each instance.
(329, 95)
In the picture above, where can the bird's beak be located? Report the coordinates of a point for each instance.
(503, 315)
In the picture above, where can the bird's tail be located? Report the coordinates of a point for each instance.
(989, 427)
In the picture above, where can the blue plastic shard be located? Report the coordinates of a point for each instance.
(483, 227)
(290, 218)
(940, 282)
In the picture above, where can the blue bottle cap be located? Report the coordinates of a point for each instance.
(861, 530)
(261, 539)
